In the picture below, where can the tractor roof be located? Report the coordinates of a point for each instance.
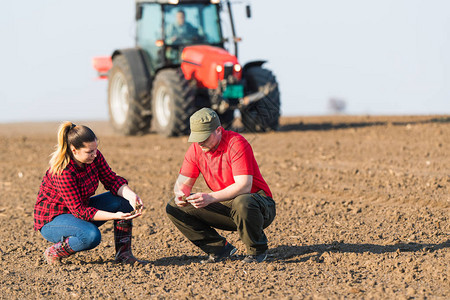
(178, 1)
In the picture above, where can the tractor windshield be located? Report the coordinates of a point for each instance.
(182, 25)
(189, 24)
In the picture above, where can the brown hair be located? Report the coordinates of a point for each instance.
(69, 134)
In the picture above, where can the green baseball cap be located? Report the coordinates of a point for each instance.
(203, 123)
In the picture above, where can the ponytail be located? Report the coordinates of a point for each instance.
(69, 134)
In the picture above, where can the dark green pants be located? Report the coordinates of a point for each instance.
(248, 214)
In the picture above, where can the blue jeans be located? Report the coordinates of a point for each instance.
(83, 235)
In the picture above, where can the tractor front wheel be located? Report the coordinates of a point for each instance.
(264, 114)
(172, 103)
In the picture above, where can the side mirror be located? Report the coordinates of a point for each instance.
(248, 11)
(138, 13)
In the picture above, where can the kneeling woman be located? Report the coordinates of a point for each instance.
(66, 212)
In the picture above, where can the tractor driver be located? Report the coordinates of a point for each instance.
(182, 31)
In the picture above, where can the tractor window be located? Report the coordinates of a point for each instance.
(148, 30)
(191, 24)
(211, 24)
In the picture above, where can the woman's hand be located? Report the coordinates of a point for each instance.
(126, 216)
(102, 215)
(132, 197)
(138, 205)
(136, 202)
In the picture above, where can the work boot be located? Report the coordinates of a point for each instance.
(122, 241)
(257, 258)
(54, 253)
(226, 252)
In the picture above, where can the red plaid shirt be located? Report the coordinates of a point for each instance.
(70, 191)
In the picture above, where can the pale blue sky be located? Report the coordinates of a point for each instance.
(381, 57)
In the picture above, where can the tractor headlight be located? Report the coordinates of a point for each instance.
(219, 68)
(237, 68)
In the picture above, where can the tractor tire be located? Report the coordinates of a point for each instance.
(173, 103)
(129, 108)
(263, 115)
(226, 119)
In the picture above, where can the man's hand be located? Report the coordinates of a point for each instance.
(199, 200)
(182, 189)
(180, 199)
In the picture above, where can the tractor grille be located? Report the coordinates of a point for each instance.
(228, 70)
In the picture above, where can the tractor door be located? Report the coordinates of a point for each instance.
(148, 32)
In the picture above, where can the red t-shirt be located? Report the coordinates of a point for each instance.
(233, 157)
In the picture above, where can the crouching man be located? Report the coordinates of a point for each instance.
(240, 199)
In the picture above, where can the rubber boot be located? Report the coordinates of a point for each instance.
(122, 240)
(54, 253)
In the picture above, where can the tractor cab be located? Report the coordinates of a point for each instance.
(164, 29)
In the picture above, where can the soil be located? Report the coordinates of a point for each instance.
(363, 211)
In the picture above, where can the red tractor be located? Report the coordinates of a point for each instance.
(180, 65)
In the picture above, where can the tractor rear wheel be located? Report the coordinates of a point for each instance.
(172, 103)
(226, 119)
(264, 114)
(128, 108)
